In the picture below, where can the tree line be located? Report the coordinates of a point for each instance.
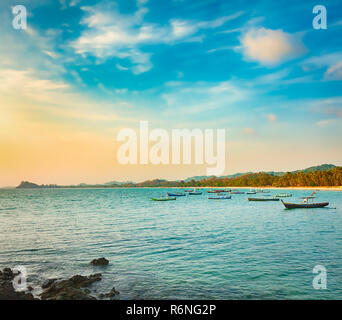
(332, 177)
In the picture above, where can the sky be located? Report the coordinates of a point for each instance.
(83, 70)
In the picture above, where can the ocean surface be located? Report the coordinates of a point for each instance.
(191, 248)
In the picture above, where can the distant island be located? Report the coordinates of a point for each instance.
(326, 175)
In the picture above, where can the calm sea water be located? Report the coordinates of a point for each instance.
(191, 248)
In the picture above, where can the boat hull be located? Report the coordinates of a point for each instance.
(220, 198)
(163, 199)
(304, 205)
(195, 193)
(176, 194)
(260, 199)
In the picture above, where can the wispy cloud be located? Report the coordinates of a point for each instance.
(331, 62)
(334, 72)
(11, 79)
(109, 33)
(326, 123)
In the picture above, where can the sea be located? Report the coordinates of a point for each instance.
(191, 248)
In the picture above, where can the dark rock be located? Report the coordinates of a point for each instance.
(48, 283)
(112, 293)
(7, 291)
(99, 262)
(71, 289)
(7, 274)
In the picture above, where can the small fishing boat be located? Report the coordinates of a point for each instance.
(176, 194)
(283, 195)
(263, 199)
(220, 198)
(194, 193)
(211, 191)
(236, 192)
(250, 192)
(163, 199)
(305, 203)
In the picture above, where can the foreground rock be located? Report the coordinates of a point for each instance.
(99, 262)
(112, 293)
(7, 291)
(71, 289)
(75, 288)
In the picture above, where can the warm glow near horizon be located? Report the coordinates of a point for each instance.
(68, 87)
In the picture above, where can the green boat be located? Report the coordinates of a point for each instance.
(283, 195)
(163, 199)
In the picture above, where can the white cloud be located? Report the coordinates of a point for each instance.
(270, 47)
(11, 79)
(50, 54)
(249, 131)
(325, 123)
(334, 72)
(202, 97)
(112, 34)
(272, 117)
(120, 67)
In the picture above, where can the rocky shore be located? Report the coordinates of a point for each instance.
(74, 288)
(7, 291)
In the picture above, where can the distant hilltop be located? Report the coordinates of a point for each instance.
(322, 167)
(31, 185)
(323, 175)
(27, 185)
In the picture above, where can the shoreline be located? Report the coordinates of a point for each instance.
(338, 188)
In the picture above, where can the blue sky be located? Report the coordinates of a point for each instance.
(256, 68)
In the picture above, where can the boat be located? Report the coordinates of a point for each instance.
(211, 191)
(188, 190)
(194, 193)
(305, 203)
(237, 192)
(251, 192)
(163, 199)
(176, 194)
(283, 195)
(220, 198)
(263, 199)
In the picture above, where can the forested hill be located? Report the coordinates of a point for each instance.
(318, 178)
(332, 177)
